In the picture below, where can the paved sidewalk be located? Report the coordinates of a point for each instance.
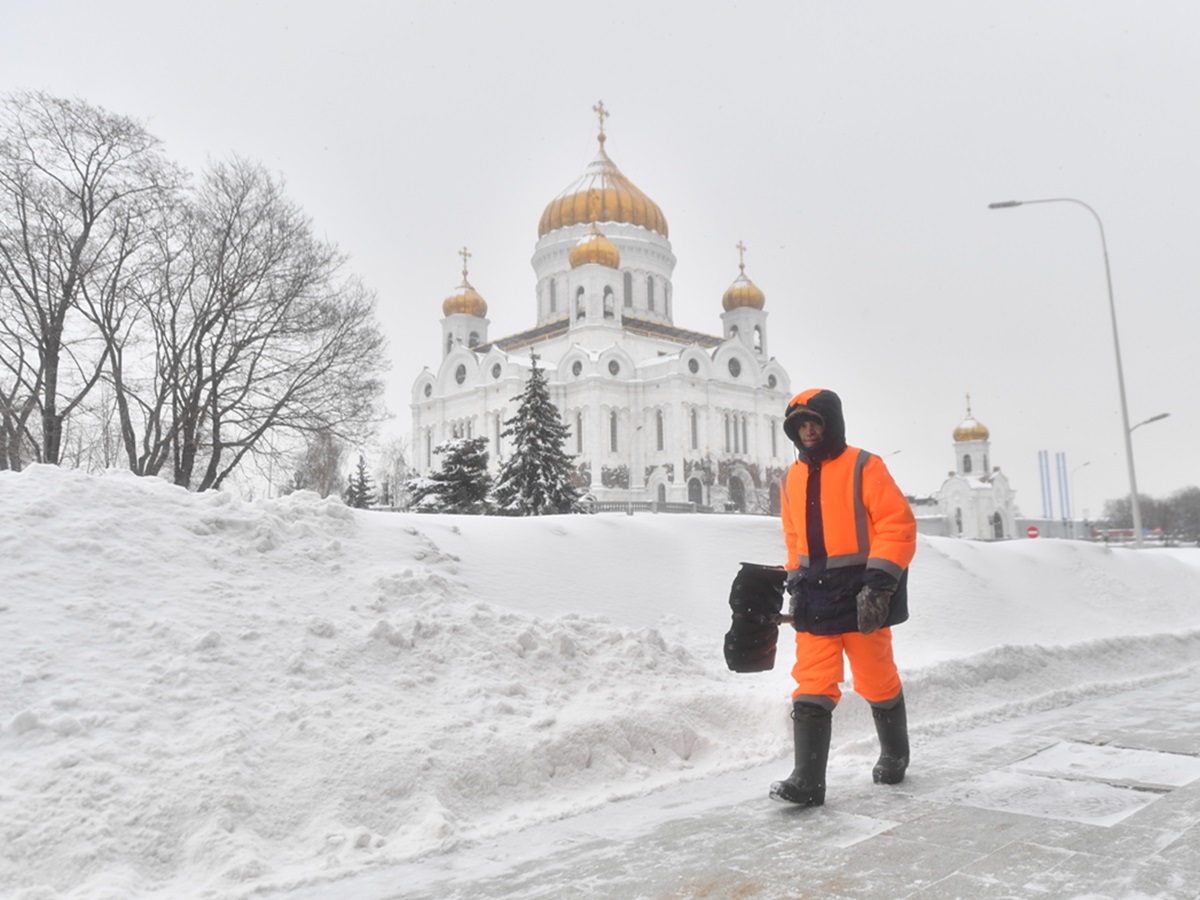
(1100, 799)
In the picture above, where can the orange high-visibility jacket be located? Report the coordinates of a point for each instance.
(865, 518)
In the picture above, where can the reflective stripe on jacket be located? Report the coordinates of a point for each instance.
(866, 524)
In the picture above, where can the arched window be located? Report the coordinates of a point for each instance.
(449, 342)
(727, 438)
(473, 339)
(667, 299)
(966, 464)
(985, 467)
(580, 307)
(553, 295)
(745, 434)
(609, 312)
(695, 491)
(579, 432)
(695, 430)
(758, 339)
(612, 432)
(650, 292)
(628, 285)
(774, 437)
(958, 519)
(737, 493)
(658, 423)
(662, 493)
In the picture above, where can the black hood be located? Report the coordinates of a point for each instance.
(828, 406)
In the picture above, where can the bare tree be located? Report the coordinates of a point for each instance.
(272, 335)
(394, 473)
(320, 468)
(73, 179)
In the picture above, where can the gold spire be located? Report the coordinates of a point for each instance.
(602, 113)
(743, 292)
(465, 300)
(970, 429)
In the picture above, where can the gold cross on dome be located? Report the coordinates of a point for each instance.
(968, 406)
(600, 111)
(741, 249)
(465, 254)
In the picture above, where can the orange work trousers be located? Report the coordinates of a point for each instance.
(819, 669)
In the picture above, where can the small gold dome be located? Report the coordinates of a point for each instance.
(743, 292)
(594, 247)
(970, 429)
(602, 194)
(465, 301)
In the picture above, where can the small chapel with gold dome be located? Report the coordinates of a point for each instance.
(656, 413)
(975, 501)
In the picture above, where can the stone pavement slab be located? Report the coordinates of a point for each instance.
(1099, 799)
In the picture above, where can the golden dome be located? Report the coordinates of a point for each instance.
(971, 429)
(465, 300)
(602, 194)
(594, 247)
(743, 292)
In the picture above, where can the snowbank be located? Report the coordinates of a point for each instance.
(208, 696)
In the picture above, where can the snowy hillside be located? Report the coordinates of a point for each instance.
(206, 697)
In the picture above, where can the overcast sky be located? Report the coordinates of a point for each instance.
(852, 147)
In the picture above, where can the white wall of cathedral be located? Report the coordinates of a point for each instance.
(640, 434)
(644, 283)
(749, 326)
(460, 330)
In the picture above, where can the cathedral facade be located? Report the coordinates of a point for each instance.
(656, 413)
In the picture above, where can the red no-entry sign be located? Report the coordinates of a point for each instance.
(1032, 531)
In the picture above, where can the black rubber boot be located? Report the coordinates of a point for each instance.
(892, 727)
(811, 727)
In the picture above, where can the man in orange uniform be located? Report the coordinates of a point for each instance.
(850, 537)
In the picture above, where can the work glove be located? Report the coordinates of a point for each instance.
(873, 605)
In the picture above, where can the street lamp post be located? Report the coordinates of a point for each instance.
(1157, 418)
(1135, 507)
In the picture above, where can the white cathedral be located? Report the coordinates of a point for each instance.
(656, 413)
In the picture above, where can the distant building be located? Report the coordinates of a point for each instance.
(656, 412)
(975, 501)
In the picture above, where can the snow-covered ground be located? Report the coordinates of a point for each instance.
(210, 697)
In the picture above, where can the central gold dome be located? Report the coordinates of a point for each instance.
(602, 194)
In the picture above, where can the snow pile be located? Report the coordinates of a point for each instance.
(206, 697)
